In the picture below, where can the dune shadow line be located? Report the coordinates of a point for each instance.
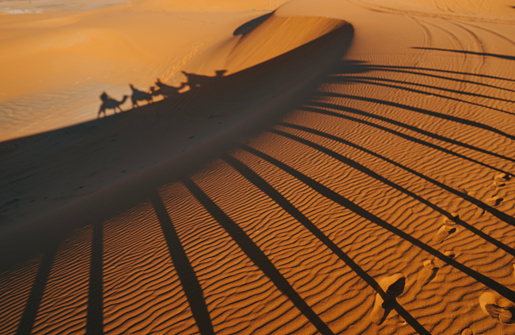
(484, 54)
(418, 71)
(413, 128)
(344, 202)
(30, 312)
(257, 256)
(269, 190)
(497, 213)
(95, 318)
(187, 276)
(247, 27)
(424, 111)
(375, 81)
(318, 109)
(426, 202)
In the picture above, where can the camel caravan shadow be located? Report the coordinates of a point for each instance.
(228, 108)
(160, 90)
(296, 72)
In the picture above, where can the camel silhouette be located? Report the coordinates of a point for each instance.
(110, 103)
(197, 80)
(166, 90)
(138, 95)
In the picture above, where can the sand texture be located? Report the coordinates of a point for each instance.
(301, 167)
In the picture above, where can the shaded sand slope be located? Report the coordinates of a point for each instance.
(391, 179)
(149, 141)
(122, 145)
(55, 65)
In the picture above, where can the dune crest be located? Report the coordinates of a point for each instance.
(275, 36)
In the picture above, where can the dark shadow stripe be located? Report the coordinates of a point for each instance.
(95, 319)
(495, 212)
(257, 256)
(185, 270)
(394, 132)
(339, 199)
(367, 79)
(483, 54)
(396, 67)
(370, 81)
(248, 26)
(259, 182)
(412, 128)
(426, 202)
(30, 313)
(422, 111)
(416, 71)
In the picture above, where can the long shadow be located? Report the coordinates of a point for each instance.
(29, 315)
(95, 318)
(339, 199)
(418, 71)
(295, 74)
(469, 53)
(500, 215)
(350, 66)
(391, 131)
(371, 81)
(413, 128)
(247, 27)
(355, 67)
(257, 256)
(359, 79)
(185, 270)
(302, 219)
(421, 111)
(479, 75)
(382, 179)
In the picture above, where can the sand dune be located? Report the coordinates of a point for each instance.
(328, 167)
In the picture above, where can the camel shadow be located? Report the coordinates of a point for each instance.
(110, 103)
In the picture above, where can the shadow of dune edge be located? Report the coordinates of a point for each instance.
(250, 25)
(276, 35)
(257, 96)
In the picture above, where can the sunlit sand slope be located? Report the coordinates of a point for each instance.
(380, 201)
(56, 65)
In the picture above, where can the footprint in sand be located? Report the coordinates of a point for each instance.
(452, 220)
(442, 233)
(428, 272)
(502, 177)
(393, 286)
(496, 184)
(497, 307)
(431, 267)
(467, 331)
(500, 180)
(494, 201)
(440, 263)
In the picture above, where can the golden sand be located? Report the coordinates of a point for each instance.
(302, 167)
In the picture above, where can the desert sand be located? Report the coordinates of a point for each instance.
(280, 167)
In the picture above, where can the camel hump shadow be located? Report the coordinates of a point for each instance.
(165, 90)
(110, 103)
(139, 95)
(197, 80)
